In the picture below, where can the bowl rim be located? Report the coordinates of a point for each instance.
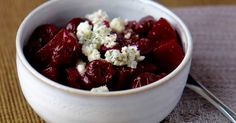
(67, 89)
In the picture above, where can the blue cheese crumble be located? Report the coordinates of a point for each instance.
(100, 89)
(93, 37)
(129, 56)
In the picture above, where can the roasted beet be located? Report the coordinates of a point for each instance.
(52, 73)
(147, 67)
(145, 46)
(162, 31)
(144, 79)
(87, 83)
(168, 55)
(41, 35)
(73, 23)
(55, 53)
(144, 25)
(100, 71)
(44, 56)
(131, 25)
(65, 52)
(44, 33)
(123, 77)
(72, 77)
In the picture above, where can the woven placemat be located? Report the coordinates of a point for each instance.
(214, 56)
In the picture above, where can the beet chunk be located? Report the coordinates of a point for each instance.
(147, 67)
(144, 79)
(144, 25)
(123, 77)
(52, 73)
(162, 31)
(73, 23)
(100, 71)
(44, 56)
(168, 55)
(41, 36)
(65, 52)
(72, 78)
(145, 46)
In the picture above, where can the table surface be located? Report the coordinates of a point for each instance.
(12, 12)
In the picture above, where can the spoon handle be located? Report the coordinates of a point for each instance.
(201, 90)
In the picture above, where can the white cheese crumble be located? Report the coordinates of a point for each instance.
(81, 67)
(127, 35)
(84, 32)
(118, 24)
(92, 38)
(98, 17)
(100, 89)
(129, 56)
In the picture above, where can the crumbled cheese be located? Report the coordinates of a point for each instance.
(127, 35)
(98, 17)
(91, 51)
(95, 55)
(118, 24)
(92, 38)
(129, 56)
(84, 31)
(100, 89)
(81, 67)
(115, 57)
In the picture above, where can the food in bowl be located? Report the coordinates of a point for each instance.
(98, 54)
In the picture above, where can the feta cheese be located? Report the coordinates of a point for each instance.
(115, 57)
(95, 55)
(92, 38)
(127, 35)
(81, 67)
(98, 17)
(84, 31)
(91, 51)
(100, 89)
(129, 56)
(118, 24)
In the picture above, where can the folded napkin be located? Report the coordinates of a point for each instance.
(214, 63)
(214, 35)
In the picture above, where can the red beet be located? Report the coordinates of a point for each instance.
(73, 23)
(52, 73)
(168, 55)
(147, 67)
(41, 36)
(144, 25)
(144, 79)
(44, 56)
(65, 52)
(145, 46)
(72, 78)
(162, 31)
(131, 25)
(100, 71)
(122, 79)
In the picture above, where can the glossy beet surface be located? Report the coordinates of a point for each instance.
(55, 53)
(100, 71)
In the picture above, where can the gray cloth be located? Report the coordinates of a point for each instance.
(214, 63)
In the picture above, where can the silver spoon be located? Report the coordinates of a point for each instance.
(205, 93)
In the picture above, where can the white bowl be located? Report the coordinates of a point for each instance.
(57, 103)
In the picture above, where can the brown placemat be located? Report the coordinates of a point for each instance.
(214, 56)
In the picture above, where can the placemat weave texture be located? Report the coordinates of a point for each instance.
(214, 35)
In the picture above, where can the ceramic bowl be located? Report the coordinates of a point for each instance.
(57, 103)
